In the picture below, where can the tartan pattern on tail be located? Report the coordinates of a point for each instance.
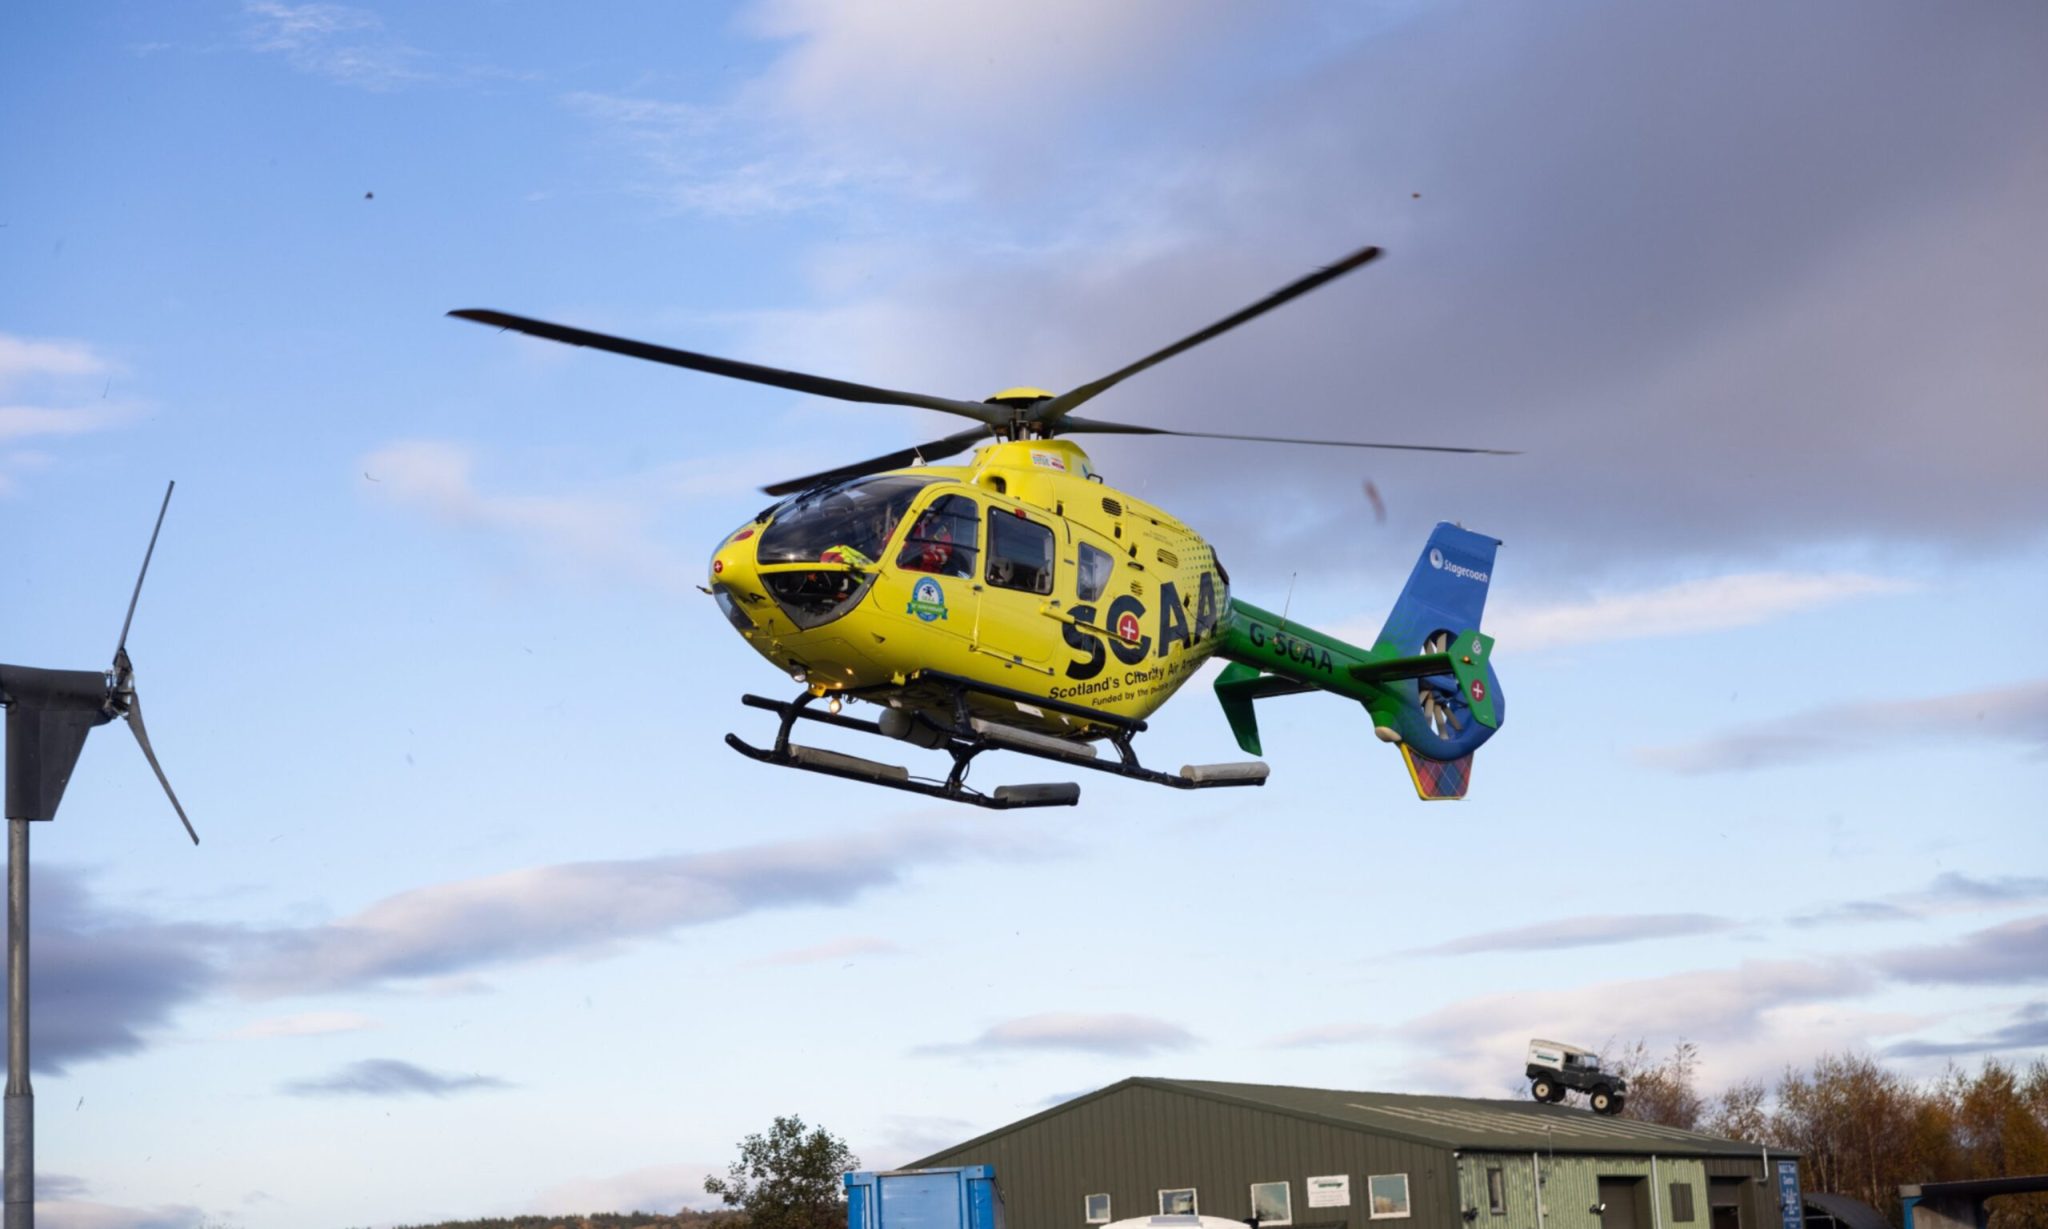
(1438, 780)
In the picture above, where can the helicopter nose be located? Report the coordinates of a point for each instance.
(733, 565)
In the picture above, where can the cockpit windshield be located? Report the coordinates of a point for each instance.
(854, 518)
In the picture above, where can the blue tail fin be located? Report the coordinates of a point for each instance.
(1445, 592)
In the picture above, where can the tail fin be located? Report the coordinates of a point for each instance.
(1445, 592)
(1438, 780)
(1428, 680)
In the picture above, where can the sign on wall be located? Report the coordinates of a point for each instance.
(1789, 1204)
(1331, 1192)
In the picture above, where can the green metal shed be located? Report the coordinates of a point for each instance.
(1317, 1158)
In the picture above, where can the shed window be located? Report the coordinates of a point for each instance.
(1387, 1195)
(1496, 1191)
(1178, 1203)
(1098, 1209)
(1272, 1203)
(1681, 1201)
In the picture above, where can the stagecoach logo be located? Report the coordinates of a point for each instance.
(1049, 460)
(1437, 560)
(927, 600)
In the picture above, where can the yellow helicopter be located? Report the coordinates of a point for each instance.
(1020, 603)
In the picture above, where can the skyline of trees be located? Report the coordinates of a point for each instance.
(1862, 1129)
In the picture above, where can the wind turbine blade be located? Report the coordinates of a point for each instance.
(146, 555)
(148, 753)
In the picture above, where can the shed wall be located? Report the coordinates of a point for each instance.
(1135, 1142)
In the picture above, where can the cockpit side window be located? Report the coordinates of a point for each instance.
(1019, 554)
(1095, 566)
(943, 539)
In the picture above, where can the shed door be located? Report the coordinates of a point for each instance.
(1724, 1202)
(1619, 1196)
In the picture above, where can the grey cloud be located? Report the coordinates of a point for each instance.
(2027, 1031)
(2005, 889)
(1116, 1034)
(1726, 1009)
(1950, 891)
(1857, 911)
(2012, 954)
(105, 978)
(390, 1077)
(2008, 714)
(462, 927)
(1746, 276)
(1591, 931)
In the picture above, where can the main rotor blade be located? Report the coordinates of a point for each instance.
(146, 555)
(148, 753)
(1050, 412)
(1078, 426)
(875, 465)
(797, 381)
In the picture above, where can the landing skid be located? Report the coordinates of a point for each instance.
(966, 737)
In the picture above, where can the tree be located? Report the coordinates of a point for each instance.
(1660, 1092)
(1740, 1113)
(788, 1178)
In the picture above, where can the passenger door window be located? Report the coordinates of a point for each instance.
(1095, 566)
(1019, 554)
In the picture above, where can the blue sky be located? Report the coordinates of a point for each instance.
(487, 920)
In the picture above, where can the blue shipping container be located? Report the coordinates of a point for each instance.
(958, 1197)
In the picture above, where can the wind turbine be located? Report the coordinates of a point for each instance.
(49, 713)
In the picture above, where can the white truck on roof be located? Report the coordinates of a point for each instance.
(1555, 1069)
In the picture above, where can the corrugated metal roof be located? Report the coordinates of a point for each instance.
(1469, 1122)
(1847, 1212)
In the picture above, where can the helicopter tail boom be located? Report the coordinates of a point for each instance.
(1427, 680)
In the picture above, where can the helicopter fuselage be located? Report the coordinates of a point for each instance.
(1021, 570)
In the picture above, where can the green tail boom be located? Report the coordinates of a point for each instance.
(1271, 657)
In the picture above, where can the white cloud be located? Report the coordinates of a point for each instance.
(305, 1024)
(725, 162)
(335, 41)
(1329, 1035)
(974, 66)
(652, 1188)
(607, 533)
(1709, 604)
(22, 358)
(2004, 714)
(85, 1214)
(1117, 1034)
(838, 949)
(64, 393)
